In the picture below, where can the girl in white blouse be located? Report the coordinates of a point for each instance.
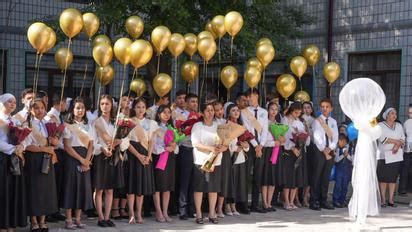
(140, 177)
(78, 144)
(164, 178)
(205, 140)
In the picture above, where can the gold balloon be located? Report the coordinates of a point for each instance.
(311, 54)
(177, 44)
(38, 36)
(205, 34)
(254, 62)
(138, 86)
(91, 24)
(191, 44)
(105, 74)
(160, 38)
(207, 48)
(302, 96)
(162, 84)
(102, 54)
(298, 66)
(263, 41)
(63, 58)
(228, 75)
(71, 22)
(134, 26)
(331, 71)
(233, 23)
(50, 43)
(209, 28)
(252, 76)
(218, 25)
(286, 85)
(122, 50)
(101, 39)
(190, 71)
(265, 53)
(140, 53)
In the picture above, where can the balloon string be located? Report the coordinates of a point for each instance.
(133, 77)
(231, 50)
(118, 107)
(65, 71)
(203, 81)
(175, 79)
(37, 72)
(228, 95)
(84, 80)
(300, 81)
(218, 74)
(263, 101)
(158, 64)
(99, 92)
(34, 77)
(187, 87)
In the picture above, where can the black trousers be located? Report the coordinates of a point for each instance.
(321, 169)
(404, 175)
(256, 167)
(185, 175)
(59, 174)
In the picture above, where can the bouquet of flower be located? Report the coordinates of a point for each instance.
(164, 156)
(186, 126)
(299, 138)
(16, 136)
(177, 135)
(277, 130)
(245, 137)
(54, 130)
(123, 128)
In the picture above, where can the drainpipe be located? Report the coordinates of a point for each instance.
(329, 41)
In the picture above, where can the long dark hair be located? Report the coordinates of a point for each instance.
(112, 109)
(228, 109)
(29, 116)
(159, 111)
(293, 107)
(311, 106)
(203, 108)
(278, 118)
(70, 115)
(135, 101)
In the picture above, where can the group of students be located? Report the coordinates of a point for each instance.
(91, 164)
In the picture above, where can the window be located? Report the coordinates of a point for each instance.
(3, 73)
(51, 77)
(382, 67)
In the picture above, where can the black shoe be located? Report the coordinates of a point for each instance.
(244, 211)
(59, 217)
(326, 205)
(199, 221)
(51, 219)
(91, 214)
(147, 214)
(392, 205)
(183, 217)
(214, 220)
(314, 207)
(191, 215)
(102, 223)
(338, 205)
(257, 210)
(403, 192)
(110, 223)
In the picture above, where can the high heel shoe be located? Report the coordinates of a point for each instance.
(70, 225)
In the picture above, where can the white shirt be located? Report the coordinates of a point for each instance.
(408, 131)
(22, 114)
(151, 112)
(54, 116)
(159, 142)
(309, 121)
(91, 116)
(385, 149)
(98, 141)
(294, 127)
(241, 157)
(220, 121)
(262, 118)
(340, 157)
(319, 137)
(5, 146)
(40, 126)
(74, 139)
(270, 139)
(205, 135)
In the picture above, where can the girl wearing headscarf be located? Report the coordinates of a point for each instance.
(390, 155)
(12, 185)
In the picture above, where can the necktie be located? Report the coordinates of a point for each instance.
(61, 118)
(256, 133)
(326, 136)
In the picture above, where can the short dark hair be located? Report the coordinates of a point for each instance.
(240, 95)
(180, 92)
(26, 91)
(217, 103)
(326, 100)
(203, 106)
(294, 106)
(191, 95)
(342, 136)
(56, 99)
(41, 94)
(251, 91)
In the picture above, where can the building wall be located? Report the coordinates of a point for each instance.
(358, 26)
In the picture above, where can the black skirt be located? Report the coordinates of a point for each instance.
(269, 172)
(41, 188)
(105, 175)
(77, 187)
(59, 174)
(165, 179)
(301, 171)
(206, 181)
(240, 182)
(120, 193)
(12, 196)
(287, 172)
(388, 173)
(227, 183)
(140, 178)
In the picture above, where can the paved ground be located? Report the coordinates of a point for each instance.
(391, 219)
